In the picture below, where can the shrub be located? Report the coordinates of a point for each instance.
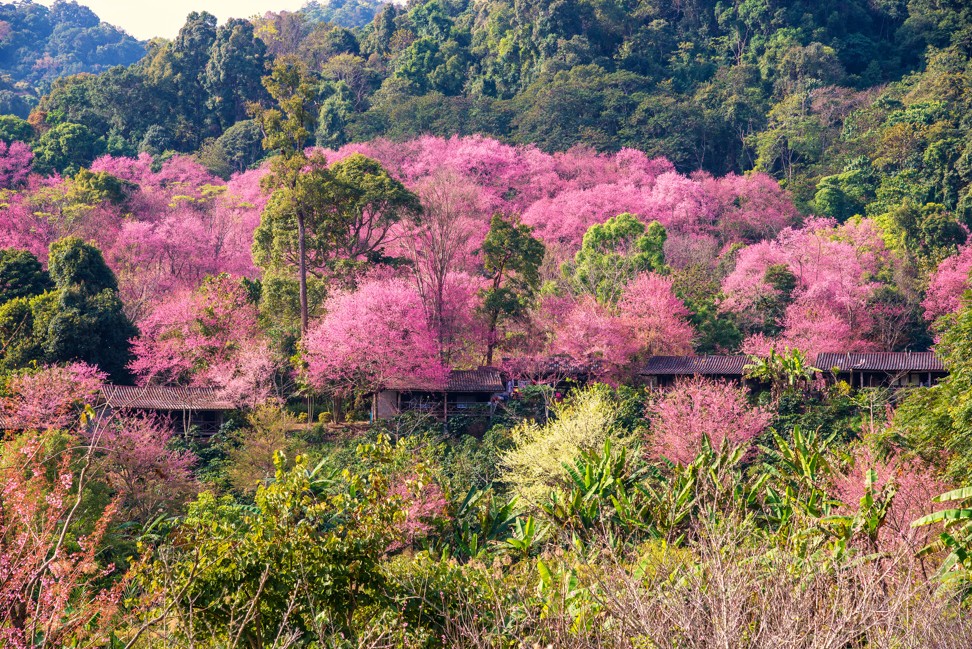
(701, 408)
(583, 422)
(251, 458)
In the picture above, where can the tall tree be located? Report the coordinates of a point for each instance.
(191, 51)
(511, 261)
(327, 220)
(234, 72)
(293, 178)
(438, 245)
(88, 323)
(81, 319)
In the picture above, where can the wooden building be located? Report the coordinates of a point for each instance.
(190, 410)
(883, 369)
(664, 371)
(860, 370)
(559, 371)
(467, 392)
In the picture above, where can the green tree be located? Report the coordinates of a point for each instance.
(342, 214)
(937, 422)
(307, 555)
(18, 346)
(21, 275)
(613, 252)
(511, 261)
(14, 128)
(843, 195)
(791, 140)
(235, 151)
(66, 148)
(79, 265)
(784, 372)
(297, 196)
(242, 145)
(80, 319)
(336, 112)
(190, 53)
(234, 72)
(88, 323)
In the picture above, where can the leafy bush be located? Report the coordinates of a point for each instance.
(535, 464)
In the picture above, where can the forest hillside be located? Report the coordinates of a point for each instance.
(455, 323)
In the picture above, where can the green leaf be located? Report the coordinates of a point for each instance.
(965, 493)
(946, 516)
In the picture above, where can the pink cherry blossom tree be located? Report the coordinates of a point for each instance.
(207, 338)
(699, 408)
(50, 398)
(657, 318)
(588, 333)
(442, 250)
(15, 163)
(834, 267)
(425, 507)
(149, 477)
(48, 589)
(915, 484)
(372, 338)
(947, 284)
(649, 319)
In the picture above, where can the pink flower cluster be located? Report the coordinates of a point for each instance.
(374, 337)
(834, 265)
(948, 284)
(15, 162)
(915, 485)
(699, 408)
(51, 397)
(648, 320)
(563, 194)
(209, 337)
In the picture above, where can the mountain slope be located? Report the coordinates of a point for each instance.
(39, 44)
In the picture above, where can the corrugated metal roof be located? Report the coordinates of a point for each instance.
(696, 365)
(484, 379)
(555, 366)
(161, 397)
(881, 362)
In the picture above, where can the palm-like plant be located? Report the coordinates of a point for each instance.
(796, 469)
(788, 371)
(604, 494)
(484, 522)
(956, 536)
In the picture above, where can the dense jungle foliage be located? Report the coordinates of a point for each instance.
(302, 210)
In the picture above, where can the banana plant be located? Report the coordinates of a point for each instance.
(865, 525)
(795, 469)
(956, 537)
(526, 536)
(783, 372)
(563, 595)
(604, 493)
(483, 523)
(712, 480)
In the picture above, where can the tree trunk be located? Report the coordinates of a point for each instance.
(302, 279)
(491, 340)
(338, 415)
(302, 272)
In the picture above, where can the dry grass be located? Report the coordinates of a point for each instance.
(731, 595)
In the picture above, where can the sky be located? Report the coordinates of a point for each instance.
(146, 19)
